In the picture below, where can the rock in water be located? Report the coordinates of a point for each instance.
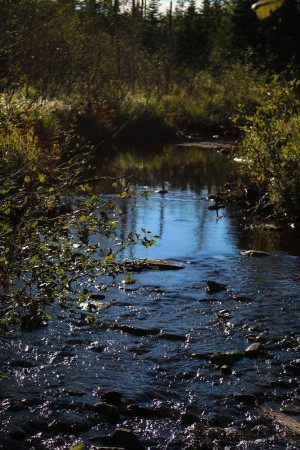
(94, 306)
(127, 438)
(213, 287)
(256, 253)
(254, 349)
(154, 264)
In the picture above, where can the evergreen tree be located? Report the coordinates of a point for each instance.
(151, 26)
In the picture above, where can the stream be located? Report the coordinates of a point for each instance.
(154, 343)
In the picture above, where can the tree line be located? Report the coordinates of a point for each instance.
(112, 45)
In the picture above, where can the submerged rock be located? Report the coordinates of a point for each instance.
(172, 337)
(107, 411)
(112, 397)
(293, 367)
(124, 436)
(136, 331)
(226, 358)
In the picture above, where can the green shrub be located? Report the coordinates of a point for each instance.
(272, 143)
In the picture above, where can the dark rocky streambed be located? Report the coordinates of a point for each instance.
(206, 356)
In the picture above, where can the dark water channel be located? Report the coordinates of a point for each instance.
(172, 395)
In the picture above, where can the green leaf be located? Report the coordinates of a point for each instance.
(264, 8)
(27, 179)
(49, 316)
(41, 178)
(76, 447)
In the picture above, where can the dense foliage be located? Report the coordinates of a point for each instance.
(52, 244)
(272, 145)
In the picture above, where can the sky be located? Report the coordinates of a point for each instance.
(165, 4)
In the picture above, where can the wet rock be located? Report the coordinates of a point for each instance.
(70, 423)
(22, 363)
(143, 397)
(187, 375)
(213, 287)
(293, 367)
(254, 349)
(141, 411)
(18, 432)
(224, 314)
(94, 306)
(293, 382)
(255, 253)
(137, 331)
(285, 343)
(107, 411)
(112, 398)
(126, 438)
(248, 399)
(226, 370)
(277, 383)
(105, 441)
(15, 405)
(34, 425)
(200, 355)
(96, 346)
(241, 299)
(72, 392)
(32, 401)
(225, 358)
(96, 296)
(147, 264)
(187, 419)
(8, 443)
(110, 448)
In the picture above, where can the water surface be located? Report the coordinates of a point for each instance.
(54, 373)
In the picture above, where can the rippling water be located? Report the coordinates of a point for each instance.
(55, 373)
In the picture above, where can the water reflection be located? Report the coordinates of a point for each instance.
(189, 403)
(185, 168)
(188, 174)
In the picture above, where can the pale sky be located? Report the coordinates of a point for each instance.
(165, 4)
